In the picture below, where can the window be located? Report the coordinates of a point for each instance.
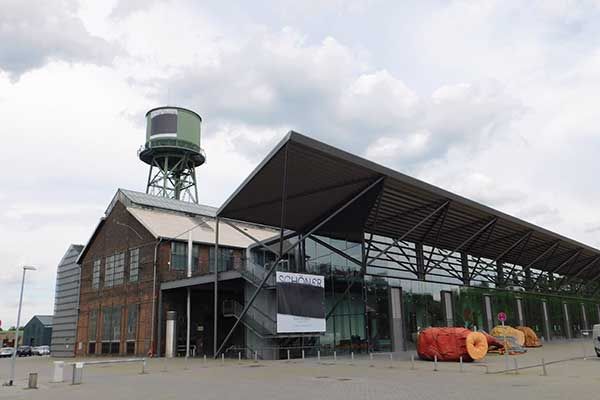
(119, 268)
(96, 274)
(111, 329)
(92, 325)
(132, 317)
(179, 256)
(134, 264)
(109, 271)
(114, 270)
(226, 259)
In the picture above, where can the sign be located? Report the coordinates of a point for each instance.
(502, 316)
(300, 302)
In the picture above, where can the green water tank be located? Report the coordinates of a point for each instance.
(171, 133)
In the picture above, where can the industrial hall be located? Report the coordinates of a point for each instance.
(317, 251)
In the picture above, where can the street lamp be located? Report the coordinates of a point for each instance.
(14, 354)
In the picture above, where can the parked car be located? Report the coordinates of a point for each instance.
(6, 352)
(24, 351)
(41, 350)
(596, 337)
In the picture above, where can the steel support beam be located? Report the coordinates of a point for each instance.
(566, 280)
(465, 242)
(283, 252)
(464, 263)
(420, 261)
(504, 253)
(335, 250)
(216, 291)
(551, 272)
(258, 242)
(411, 230)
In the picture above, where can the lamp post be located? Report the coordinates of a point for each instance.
(14, 355)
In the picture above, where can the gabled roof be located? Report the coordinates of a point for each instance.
(171, 219)
(321, 178)
(46, 320)
(168, 225)
(130, 197)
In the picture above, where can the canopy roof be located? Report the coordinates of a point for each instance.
(320, 178)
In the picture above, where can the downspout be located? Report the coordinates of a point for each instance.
(154, 327)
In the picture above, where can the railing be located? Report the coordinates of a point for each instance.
(255, 319)
(255, 273)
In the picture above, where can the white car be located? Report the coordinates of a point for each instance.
(6, 352)
(41, 350)
(596, 337)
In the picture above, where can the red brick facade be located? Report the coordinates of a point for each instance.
(121, 232)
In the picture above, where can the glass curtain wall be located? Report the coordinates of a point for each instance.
(344, 292)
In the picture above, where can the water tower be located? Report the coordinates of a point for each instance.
(173, 151)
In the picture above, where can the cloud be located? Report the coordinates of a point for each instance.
(271, 79)
(33, 33)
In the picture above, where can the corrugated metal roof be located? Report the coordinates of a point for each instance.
(148, 200)
(175, 226)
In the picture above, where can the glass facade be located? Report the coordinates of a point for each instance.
(358, 305)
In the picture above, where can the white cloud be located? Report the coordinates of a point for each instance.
(34, 33)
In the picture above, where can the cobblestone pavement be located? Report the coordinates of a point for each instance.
(361, 378)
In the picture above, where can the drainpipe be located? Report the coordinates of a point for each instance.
(158, 242)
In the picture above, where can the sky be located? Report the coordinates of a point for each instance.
(494, 100)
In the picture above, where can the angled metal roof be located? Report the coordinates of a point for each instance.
(320, 178)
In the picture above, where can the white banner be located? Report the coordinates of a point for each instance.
(300, 303)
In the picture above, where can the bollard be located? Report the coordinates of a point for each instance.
(164, 364)
(391, 360)
(143, 367)
(460, 360)
(412, 361)
(32, 382)
(255, 356)
(352, 356)
(303, 354)
(506, 364)
(205, 359)
(544, 372)
(371, 356)
(59, 372)
(516, 366)
(435, 367)
(77, 373)
(222, 358)
(487, 369)
(288, 353)
(239, 356)
(319, 355)
(334, 356)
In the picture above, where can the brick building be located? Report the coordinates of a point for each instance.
(139, 245)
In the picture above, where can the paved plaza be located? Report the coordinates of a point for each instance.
(573, 372)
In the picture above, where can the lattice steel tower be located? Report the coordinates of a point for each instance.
(173, 151)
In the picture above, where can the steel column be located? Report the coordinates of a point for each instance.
(216, 291)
